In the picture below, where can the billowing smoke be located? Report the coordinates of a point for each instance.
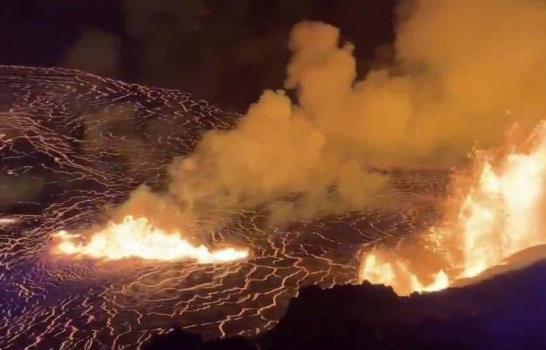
(463, 72)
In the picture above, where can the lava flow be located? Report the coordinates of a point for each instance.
(499, 215)
(138, 238)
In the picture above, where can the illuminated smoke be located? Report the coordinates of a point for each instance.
(451, 87)
(499, 214)
(459, 79)
(97, 52)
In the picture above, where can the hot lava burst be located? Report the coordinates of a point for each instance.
(499, 214)
(138, 238)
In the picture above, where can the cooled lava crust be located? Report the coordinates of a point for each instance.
(72, 143)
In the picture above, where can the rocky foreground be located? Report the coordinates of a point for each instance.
(505, 312)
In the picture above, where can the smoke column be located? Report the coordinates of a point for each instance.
(462, 73)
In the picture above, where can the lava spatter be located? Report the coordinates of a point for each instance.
(139, 238)
(497, 214)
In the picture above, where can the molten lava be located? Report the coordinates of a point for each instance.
(138, 238)
(7, 221)
(500, 214)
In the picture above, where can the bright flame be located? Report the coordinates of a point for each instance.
(7, 221)
(379, 269)
(500, 214)
(137, 237)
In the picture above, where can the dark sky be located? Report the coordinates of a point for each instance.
(226, 51)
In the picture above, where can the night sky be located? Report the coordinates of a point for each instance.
(205, 47)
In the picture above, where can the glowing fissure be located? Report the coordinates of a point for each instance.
(138, 238)
(499, 215)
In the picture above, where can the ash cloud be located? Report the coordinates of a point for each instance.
(463, 72)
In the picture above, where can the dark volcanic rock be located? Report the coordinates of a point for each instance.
(179, 339)
(506, 312)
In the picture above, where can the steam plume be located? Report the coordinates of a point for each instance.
(463, 72)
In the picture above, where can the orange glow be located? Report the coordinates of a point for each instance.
(138, 238)
(7, 221)
(500, 214)
(380, 269)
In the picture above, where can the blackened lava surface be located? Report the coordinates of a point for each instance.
(504, 313)
(71, 143)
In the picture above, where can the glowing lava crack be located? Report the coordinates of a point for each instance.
(138, 238)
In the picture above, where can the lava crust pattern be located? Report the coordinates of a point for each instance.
(72, 143)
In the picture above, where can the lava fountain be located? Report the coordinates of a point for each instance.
(498, 214)
(138, 238)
